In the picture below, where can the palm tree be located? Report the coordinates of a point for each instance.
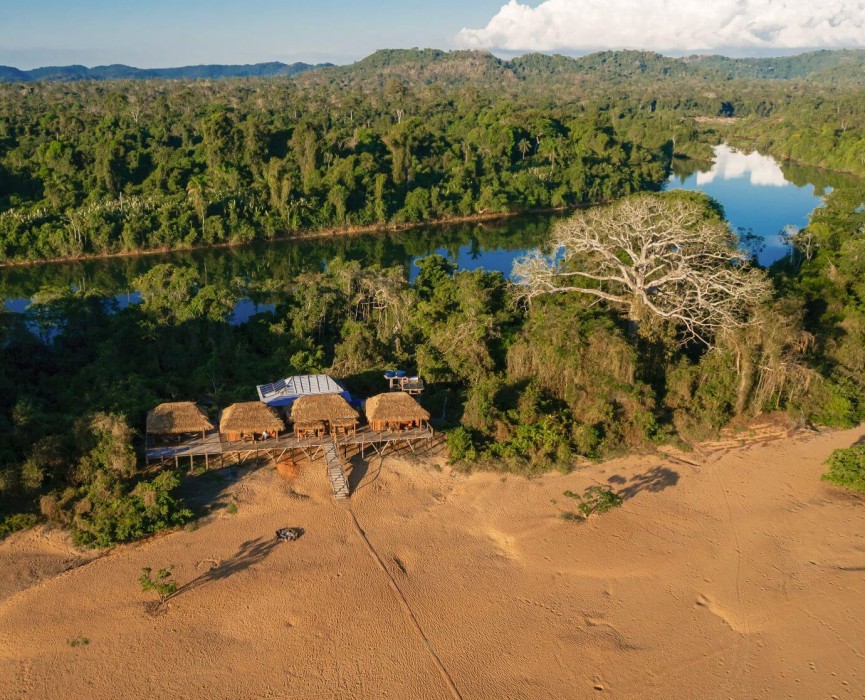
(523, 147)
(195, 191)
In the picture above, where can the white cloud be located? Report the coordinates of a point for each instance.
(671, 25)
(732, 165)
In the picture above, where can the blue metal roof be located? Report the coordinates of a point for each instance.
(285, 391)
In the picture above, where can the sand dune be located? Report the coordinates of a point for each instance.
(735, 574)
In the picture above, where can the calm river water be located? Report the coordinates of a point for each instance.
(756, 192)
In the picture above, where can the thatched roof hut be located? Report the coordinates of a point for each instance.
(332, 409)
(177, 418)
(249, 417)
(395, 411)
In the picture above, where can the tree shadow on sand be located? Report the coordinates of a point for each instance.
(654, 480)
(250, 552)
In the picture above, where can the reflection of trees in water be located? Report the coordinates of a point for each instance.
(260, 269)
(683, 168)
(802, 175)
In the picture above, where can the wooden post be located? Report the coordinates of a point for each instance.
(206, 462)
(176, 462)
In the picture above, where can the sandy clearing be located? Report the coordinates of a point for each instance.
(740, 575)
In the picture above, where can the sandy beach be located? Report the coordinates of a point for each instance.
(733, 573)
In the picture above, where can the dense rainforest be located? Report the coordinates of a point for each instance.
(106, 167)
(401, 137)
(127, 168)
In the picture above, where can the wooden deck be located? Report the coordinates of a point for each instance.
(213, 445)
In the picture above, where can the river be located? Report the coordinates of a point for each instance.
(756, 192)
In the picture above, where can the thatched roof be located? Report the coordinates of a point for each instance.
(249, 417)
(177, 418)
(394, 406)
(322, 407)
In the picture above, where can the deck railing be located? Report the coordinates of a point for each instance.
(214, 444)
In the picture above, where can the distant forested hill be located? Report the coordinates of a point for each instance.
(605, 64)
(482, 68)
(539, 74)
(121, 72)
(805, 65)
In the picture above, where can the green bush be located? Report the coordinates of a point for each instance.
(847, 468)
(544, 441)
(107, 514)
(587, 440)
(595, 499)
(835, 403)
(461, 446)
(16, 522)
(160, 583)
(702, 396)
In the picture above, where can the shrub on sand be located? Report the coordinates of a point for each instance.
(847, 468)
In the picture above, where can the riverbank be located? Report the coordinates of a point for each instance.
(731, 572)
(345, 231)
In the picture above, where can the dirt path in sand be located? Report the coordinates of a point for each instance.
(725, 575)
(407, 608)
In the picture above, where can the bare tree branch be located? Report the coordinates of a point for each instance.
(652, 256)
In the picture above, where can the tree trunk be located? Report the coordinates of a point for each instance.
(746, 382)
(634, 317)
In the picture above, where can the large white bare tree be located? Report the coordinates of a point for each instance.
(652, 256)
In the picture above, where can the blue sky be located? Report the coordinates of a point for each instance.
(159, 33)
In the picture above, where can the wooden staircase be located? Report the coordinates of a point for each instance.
(336, 471)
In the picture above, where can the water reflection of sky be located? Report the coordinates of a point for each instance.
(470, 257)
(17, 306)
(246, 309)
(755, 194)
